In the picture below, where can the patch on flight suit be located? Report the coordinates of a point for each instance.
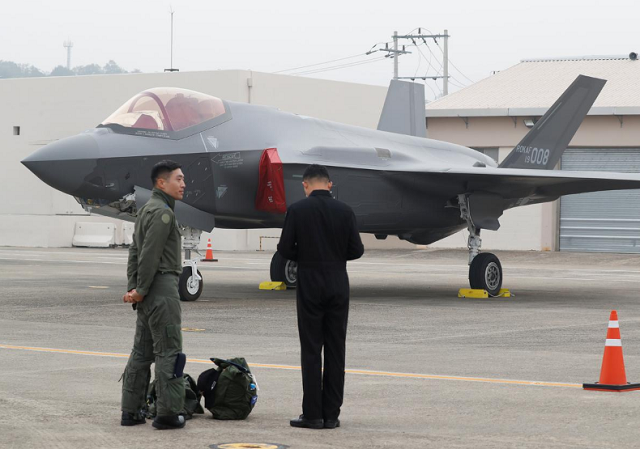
(166, 218)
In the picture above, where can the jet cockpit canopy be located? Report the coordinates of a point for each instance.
(167, 109)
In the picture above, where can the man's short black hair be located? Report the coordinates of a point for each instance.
(316, 171)
(162, 168)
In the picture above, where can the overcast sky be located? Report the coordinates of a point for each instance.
(273, 36)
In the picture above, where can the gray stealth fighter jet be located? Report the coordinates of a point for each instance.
(243, 166)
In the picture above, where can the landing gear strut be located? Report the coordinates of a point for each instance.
(190, 283)
(283, 270)
(485, 270)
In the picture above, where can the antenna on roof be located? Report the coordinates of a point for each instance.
(171, 11)
(68, 45)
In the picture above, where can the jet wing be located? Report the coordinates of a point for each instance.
(517, 186)
(523, 186)
(490, 191)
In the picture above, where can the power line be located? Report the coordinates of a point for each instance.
(431, 53)
(337, 67)
(321, 63)
(435, 96)
(429, 60)
(458, 83)
(418, 68)
(454, 66)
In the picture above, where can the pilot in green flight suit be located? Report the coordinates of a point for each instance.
(153, 269)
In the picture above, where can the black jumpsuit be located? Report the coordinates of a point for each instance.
(320, 233)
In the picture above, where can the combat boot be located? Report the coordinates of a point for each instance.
(169, 422)
(132, 419)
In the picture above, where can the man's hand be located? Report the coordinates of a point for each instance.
(132, 297)
(135, 296)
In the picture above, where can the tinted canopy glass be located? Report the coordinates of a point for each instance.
(166, 109)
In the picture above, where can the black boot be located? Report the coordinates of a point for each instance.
(331, 423)
(132, 419)
(169, 422)
(307, 423)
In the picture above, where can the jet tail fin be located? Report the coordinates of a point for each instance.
(403, 110)
(543, 146)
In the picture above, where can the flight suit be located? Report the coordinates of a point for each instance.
(320, 234)
(153, 268)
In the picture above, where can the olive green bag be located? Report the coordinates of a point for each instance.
(230, 391)
(191, 399)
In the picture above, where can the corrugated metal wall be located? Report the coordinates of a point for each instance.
(601, 221)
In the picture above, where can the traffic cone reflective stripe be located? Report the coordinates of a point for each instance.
(612, 375)
(613, 372)
(209, 255)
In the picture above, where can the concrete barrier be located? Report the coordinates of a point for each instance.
(94, 235)
(127, 233)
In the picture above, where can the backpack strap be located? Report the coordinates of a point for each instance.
(237, 365)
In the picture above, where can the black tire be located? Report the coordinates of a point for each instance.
(485, 273)
(189, 292)
(284, 270)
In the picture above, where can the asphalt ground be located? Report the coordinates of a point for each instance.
(425, 368)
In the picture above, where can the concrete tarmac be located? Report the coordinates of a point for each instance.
(426, 369)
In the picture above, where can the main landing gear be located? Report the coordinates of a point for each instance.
(485, 270)
(283, 270)
(190, 283)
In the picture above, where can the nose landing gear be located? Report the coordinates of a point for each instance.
(190, 283)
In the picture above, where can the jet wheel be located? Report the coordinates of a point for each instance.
(284, 270)
(485, 273)
(189, 288)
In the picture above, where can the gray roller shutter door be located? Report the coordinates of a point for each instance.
(601, 221)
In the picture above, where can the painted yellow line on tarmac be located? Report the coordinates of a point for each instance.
(297, 368)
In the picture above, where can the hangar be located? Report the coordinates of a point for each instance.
(494, 114)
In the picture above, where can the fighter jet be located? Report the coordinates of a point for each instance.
(243, 165)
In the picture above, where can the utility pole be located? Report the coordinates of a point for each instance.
(395, 56)
(395, 52)
(392, 53)
(171, 69)
(68, 45)
(445, 65)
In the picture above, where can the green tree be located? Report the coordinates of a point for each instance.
(9, 69)
(30, 71)
(90, 69)
(111, 67)
(61, 71)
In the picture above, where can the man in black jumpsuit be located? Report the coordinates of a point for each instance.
(320, 233)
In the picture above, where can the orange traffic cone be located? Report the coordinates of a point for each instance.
(612, 374)
(209, 256)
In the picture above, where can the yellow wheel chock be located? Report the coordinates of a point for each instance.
(273, 286)
(480, 293)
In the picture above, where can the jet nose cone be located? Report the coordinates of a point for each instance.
(64, 164)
